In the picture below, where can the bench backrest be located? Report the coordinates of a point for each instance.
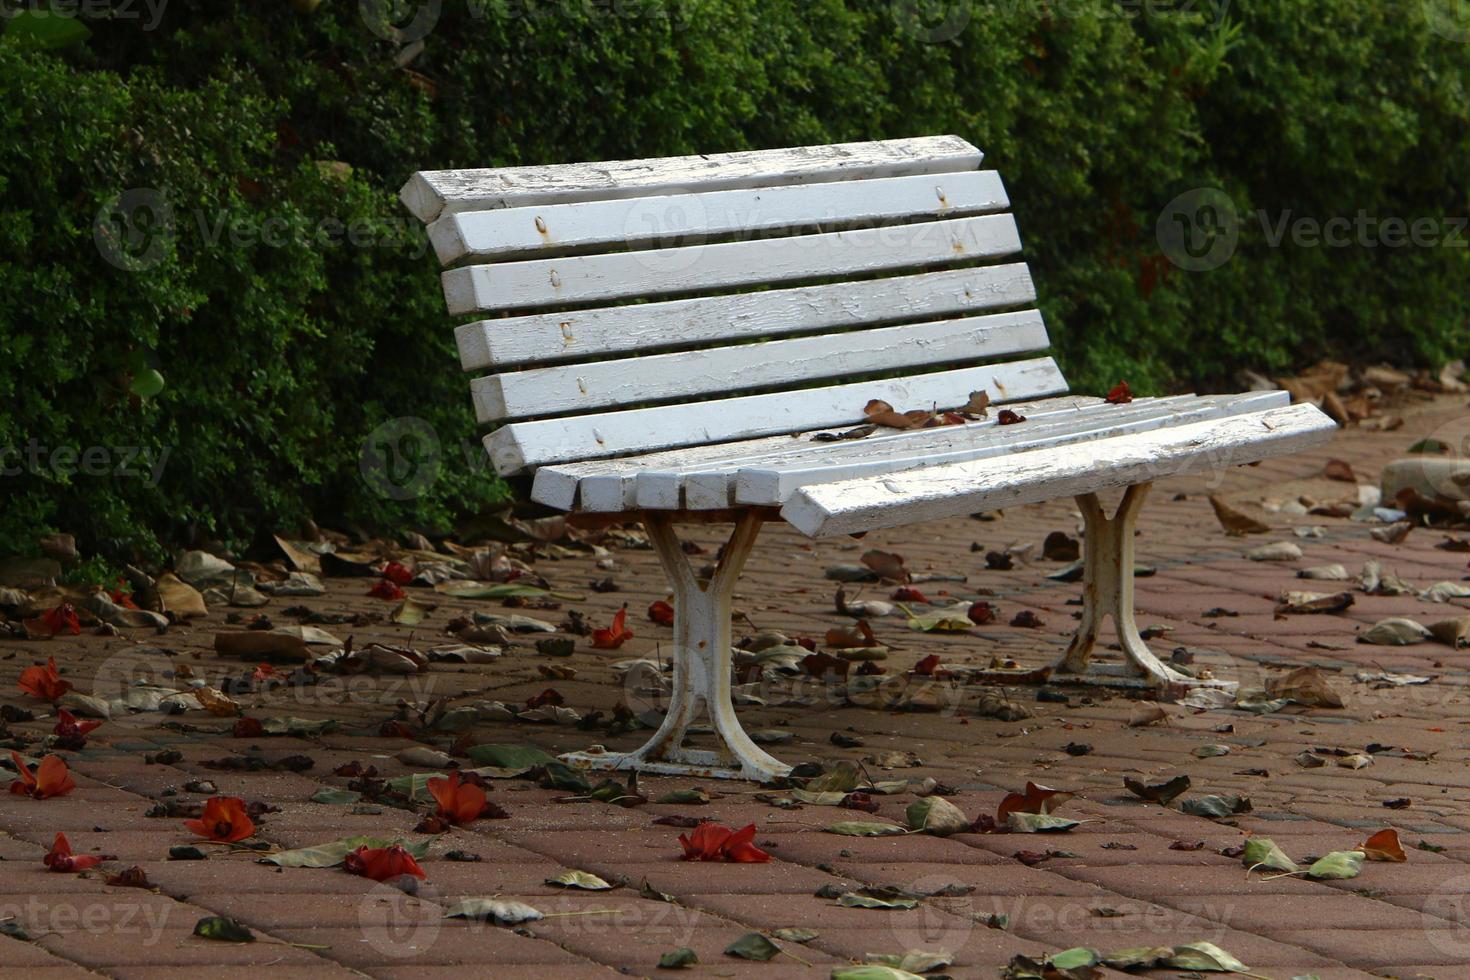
(651, 304)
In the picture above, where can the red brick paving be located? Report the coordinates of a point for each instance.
(1117, 884)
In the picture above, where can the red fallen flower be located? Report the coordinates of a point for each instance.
(1120, 395)
(926, 667)
(60, 857)
(382, 863)
(70, 733)
(62, 619)
(661, 612)
(611, 638)
(458, 803)
(51, 778)
(981, 613)
(248, 728)
(397, 574)
(711, 842)
(386, 589)
(44, 682)
(908, 594)
(224, 820)
(1008, 417)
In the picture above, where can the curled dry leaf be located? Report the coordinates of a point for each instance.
(1036, 799)
(1395, 631)
(1383, 846)
(1305, 685)
(1236, 522)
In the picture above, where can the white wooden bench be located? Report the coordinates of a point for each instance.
(661, 338)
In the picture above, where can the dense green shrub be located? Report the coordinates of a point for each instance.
(267, 129)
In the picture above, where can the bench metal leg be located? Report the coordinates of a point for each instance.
(702, 669)
(1107, 590)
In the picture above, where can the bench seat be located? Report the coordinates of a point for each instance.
(696, 338)
(766, 472)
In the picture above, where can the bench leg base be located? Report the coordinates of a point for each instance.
(1107, 591)
(702, 668)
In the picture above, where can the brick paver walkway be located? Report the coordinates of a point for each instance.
(1128, 876)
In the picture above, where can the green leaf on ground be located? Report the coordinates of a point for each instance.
(223, 929)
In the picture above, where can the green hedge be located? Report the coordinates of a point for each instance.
(267, 133)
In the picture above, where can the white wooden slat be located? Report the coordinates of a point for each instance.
(710, 485)
(866, 504)
(623, 275)
(776, 485)
(561, 229)
(557, 485)
(544, 338)
(519, 445)
(776, 363)
(430, 193)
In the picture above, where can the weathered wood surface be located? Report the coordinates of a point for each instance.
(430, 193)
(519, 445)
(643, 222)
(576, 279)
(548, 338)
(869, 503)
(774, 364)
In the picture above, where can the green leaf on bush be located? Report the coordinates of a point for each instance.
(44, 29)
(147, 383)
